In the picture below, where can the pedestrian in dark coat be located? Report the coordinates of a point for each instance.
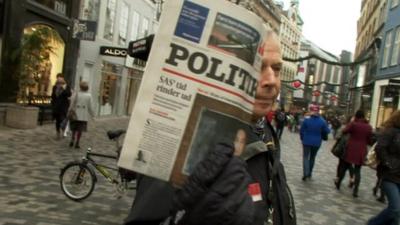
(60, 103)
(360, 136)
(388, 153)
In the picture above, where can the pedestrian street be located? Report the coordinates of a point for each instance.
(30, 193)
(317, 200)
(30, 164)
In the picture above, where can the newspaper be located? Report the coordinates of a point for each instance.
(198, 88)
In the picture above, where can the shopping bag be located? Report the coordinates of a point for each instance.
(371, 160)
(67, 129)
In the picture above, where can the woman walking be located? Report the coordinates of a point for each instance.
(81, 103)
(356, 149)
(388, 153)
(341, 143)
(60, 103)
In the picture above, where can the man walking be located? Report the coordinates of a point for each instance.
(312, 131)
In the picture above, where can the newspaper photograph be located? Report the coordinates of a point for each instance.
(197, 90)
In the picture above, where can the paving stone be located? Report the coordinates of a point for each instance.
(30, 192)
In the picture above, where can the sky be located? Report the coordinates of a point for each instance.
(330, 24)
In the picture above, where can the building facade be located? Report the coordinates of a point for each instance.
(344, 97)
(290, 34)
(22, 17)
(322, 80)
(387, 84)
(114, 78)
(369, 32)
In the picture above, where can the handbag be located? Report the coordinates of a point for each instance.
(339, 148)
(71, 115)
(371, 160)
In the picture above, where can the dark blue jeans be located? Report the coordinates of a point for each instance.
(390, 215)
(309, 154)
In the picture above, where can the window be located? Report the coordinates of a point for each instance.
(90, 10)
(135, 26)
(388, 43)
(145, 28)
(123, 23)
(394, 3)
(396, 48)
(109, 20)
(109, 87)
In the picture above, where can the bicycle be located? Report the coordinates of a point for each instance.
(78, 178)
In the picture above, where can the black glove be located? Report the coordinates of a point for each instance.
(216, 192)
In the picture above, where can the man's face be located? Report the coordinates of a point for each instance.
(269, 83)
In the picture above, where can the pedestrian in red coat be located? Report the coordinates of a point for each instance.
(360, 136)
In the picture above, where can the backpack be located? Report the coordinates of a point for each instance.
(280, 117)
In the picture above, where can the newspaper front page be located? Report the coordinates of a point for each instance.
(197, 90)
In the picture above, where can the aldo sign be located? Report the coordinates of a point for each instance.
(112, 51)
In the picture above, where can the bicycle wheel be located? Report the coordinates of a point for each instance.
(77, 181)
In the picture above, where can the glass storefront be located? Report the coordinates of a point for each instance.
(132, 88)
(109, 88)
(389, 102)
(41, 64)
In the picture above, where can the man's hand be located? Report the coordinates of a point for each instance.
(217, 191)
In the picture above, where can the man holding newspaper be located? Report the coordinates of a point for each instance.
(225, 188)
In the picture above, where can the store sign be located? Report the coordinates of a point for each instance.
(60, 7)
(112, 51)
(84, 30)
(140, 48)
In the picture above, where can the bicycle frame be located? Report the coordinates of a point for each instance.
(100, 167)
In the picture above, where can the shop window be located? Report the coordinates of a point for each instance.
(123, 23)
(109, 20)
(389, 103)
(396, 48)
(109, 87)
(90, 10)
(42, 57)
(386, 50)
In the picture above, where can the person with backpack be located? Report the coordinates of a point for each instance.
(280, 120)
(224, 188)
(313, 130)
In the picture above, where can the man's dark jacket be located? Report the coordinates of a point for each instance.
(216, 193)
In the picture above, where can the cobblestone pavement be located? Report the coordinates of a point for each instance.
(30, 165)
(317, 201)
(30, 193)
